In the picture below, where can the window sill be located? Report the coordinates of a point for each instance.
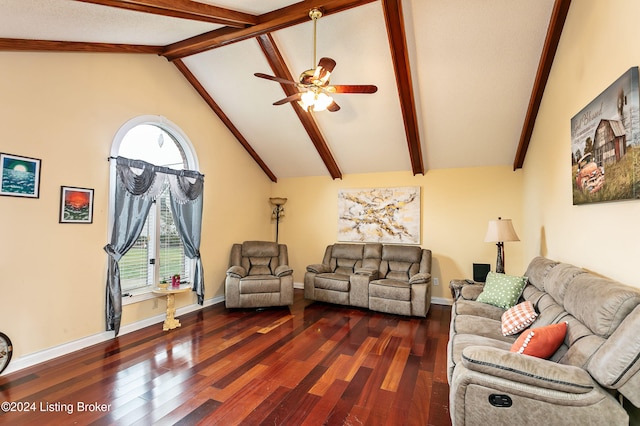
(137, 296)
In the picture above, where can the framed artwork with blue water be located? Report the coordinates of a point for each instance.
(20, 176)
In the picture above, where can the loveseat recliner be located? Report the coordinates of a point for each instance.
(580, 383)
(258, 276)
(383, 277)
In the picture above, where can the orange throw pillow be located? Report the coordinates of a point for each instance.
(541, 342)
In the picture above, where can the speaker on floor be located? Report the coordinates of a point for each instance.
(480, 271)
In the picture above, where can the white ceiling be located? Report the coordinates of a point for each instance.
(473, 65)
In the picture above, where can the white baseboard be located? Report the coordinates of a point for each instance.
(76, 345)
(441, 301)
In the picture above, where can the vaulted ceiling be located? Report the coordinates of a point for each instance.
(459, 81)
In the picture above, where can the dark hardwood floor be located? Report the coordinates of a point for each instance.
(309, 364)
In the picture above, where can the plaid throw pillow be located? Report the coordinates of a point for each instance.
(517, 318)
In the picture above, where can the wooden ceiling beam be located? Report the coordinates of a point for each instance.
(268, 46)
(556, 24)
(278, 19)
(400, 55)
(25, 45)
(225, 119)
(185, 9)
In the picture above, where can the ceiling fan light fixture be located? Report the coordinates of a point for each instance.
(312, 101)
(322, 102)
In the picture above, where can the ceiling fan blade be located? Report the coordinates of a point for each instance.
(272, 78)
(333, 107)
(292, 98)
(327, 63)
(323, 71)
(352, 88)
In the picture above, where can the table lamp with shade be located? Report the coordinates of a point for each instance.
(498, 232)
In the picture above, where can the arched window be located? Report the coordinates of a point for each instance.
(158, 252)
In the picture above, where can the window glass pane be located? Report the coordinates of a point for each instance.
(153, 145)
(172, 259)
(134, 265)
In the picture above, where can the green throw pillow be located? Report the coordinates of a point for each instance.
(502, 290)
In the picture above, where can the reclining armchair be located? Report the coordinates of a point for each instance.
(258, 276)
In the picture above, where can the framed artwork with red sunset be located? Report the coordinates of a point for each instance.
(76, 205)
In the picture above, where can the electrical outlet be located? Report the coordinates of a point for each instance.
(155, 303)
(436, 281)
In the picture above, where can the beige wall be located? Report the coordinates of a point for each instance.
(65, 109)
(456, 207)
(600, 42)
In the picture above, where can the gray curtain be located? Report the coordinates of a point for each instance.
(134, 193)
(186, 208)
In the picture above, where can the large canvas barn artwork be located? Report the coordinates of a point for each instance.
(605, 144)
(383, 215)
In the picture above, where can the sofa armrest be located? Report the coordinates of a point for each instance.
(420, 278)
(471, 291)
(527, 369)
(283, 271)
(368, 272)
(319, 268)
(236, 272)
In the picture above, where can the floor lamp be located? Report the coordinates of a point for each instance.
(498, 232)
(278, 211)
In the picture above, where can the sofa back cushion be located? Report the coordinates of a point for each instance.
(372, 253)
(345, 258)
(558, 278)
(600, 303)
(400, 262)
(537, 271)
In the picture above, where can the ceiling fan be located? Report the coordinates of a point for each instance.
(313, 84)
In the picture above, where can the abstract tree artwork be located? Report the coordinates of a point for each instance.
(384, 215)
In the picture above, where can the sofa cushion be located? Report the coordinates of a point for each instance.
(479, 326)
(408, 254)
(600, 303)
(259, 284)
(537, 271)
(517, 318)
(475, 308)
(541, 342)
(259, 266)
(558, 278)
(335, 282)
(502, 290)
(260, 249)
(400, 262)
(390, 289)
(347, 251)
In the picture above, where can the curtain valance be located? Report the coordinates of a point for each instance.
(141, 178)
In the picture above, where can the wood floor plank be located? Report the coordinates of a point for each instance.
(310, 363)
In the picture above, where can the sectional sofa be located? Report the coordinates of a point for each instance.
(570, 356)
